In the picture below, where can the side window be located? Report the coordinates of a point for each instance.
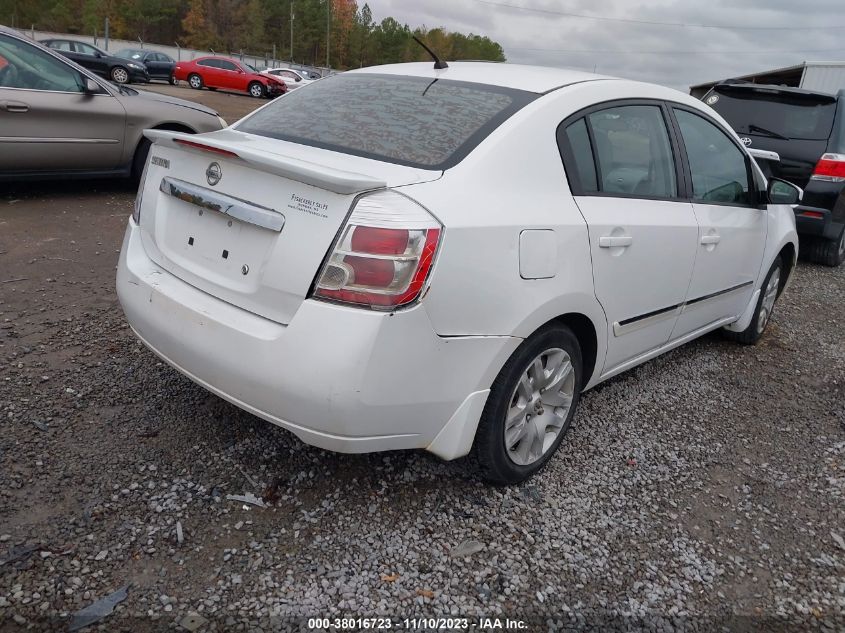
(582, 154)
(84, 48)
(60, 45)
(226, 65)
(633, 152)
(30, 68)
(719, 168)
(210, 63)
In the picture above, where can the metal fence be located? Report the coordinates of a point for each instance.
(177, 52)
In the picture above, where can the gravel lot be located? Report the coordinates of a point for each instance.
(703, 490)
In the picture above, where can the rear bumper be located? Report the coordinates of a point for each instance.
(339, 378)
(822, 210)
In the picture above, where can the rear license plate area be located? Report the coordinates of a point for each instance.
(210, 243)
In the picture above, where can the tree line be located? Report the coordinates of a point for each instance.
(254, 27)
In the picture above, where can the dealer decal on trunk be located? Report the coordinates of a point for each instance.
(298, 203)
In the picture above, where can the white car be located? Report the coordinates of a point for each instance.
(292, 78)
(409, 258)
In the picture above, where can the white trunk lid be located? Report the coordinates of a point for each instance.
(257, 237)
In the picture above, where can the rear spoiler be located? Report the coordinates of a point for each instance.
(336, 180)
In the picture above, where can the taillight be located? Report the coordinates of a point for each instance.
(384, 255)
(830, 168)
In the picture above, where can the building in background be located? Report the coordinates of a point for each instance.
(818, 76)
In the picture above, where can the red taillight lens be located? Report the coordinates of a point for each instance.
(831, 168)
(369, 239)
(813, 214)
(204, 147)
(376, 265)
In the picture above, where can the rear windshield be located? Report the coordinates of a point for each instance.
(431, 124)
(755, 112)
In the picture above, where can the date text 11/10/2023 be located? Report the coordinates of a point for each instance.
(416, 624)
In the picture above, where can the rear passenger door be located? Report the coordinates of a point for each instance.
(622, 168)
(732, 226)
(210, 72)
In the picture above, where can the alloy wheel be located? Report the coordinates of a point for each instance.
(120, 75)
(539, 406)
(256, 90)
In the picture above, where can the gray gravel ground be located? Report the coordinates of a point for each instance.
(702, 491)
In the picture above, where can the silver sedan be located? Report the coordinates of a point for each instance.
(58, 119)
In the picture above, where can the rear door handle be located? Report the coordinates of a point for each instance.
(610, 241)
(14, 106)
(710, 239)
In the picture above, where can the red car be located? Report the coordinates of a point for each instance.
(229, 74)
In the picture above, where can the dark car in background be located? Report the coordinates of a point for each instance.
(159, 65)
(807, 130)
(117, 69)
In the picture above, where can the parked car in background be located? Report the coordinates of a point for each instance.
(807, 130)
(60, 120)
(117, 69)
(404, 257)
(292, 78)
(229, 74)
(159, 65)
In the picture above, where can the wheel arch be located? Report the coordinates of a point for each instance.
(789, 256)
(584, 330)
(173, 126)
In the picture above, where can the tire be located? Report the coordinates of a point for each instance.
(828, 252)
(195, 81)
(764, 308)
(173, 81)
(140, 159)
(119, 75)
(256, 89)
(511, 452)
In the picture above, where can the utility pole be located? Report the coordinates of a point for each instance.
(291, 31)
(328, 30)
(107, 35)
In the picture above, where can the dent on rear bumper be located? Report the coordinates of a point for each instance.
(342, 379)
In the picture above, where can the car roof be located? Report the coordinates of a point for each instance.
(537, 79)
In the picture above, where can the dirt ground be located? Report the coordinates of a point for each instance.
(230, 105)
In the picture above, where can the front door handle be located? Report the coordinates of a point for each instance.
(14, 106)
(710, 239)
(611, 241)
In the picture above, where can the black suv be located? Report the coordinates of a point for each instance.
(117, 69)
(807, 130)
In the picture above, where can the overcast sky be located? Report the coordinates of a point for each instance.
(671, 55)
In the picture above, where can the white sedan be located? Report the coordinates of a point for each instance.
(292, 78)
(406, 257)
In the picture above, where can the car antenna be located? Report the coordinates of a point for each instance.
(439, 64)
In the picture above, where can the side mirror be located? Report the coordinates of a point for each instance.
(782, 192)
(91, 87)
